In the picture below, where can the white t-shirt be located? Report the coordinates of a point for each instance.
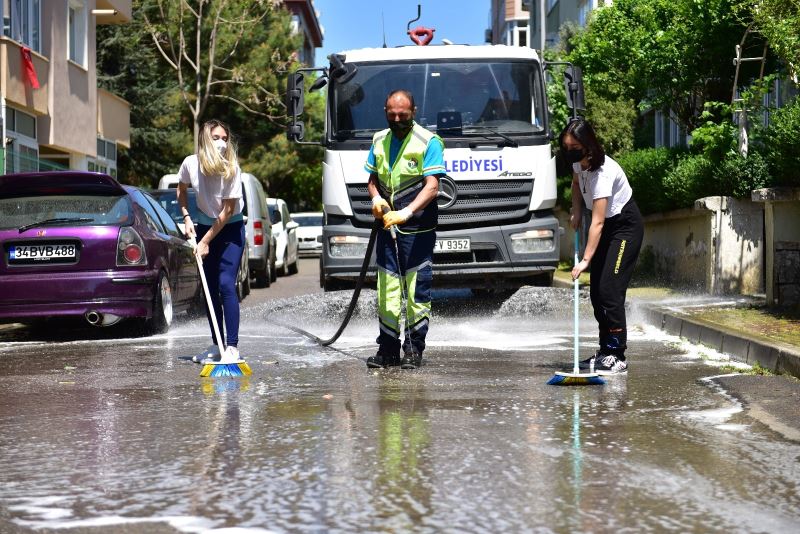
(211, 190)
(609, 181)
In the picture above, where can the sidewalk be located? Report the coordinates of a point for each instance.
(771, 400)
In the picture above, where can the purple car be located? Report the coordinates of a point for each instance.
(80, 244)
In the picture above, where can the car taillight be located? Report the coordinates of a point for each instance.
(258, 233)
(130, 248)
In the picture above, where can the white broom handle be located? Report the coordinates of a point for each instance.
(210, 305)
(575, 305)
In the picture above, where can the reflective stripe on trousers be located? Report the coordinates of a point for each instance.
(416, 262)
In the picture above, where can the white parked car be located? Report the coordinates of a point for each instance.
(285, 231)
(309, 233)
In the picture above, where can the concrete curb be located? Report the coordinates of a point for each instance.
(777, 357)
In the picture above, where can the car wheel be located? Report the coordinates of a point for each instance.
(162, 306)
(273, 271)
(246, 289)
(285, 266)
(239, 287)
(293, 266)
(264, 278)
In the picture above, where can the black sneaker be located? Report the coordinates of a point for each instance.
(411, 360)
(610, 365)
(381, 360)
(588, 363)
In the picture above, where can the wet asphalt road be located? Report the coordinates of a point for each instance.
(117, 434)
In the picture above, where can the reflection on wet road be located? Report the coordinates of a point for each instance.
(121, 434)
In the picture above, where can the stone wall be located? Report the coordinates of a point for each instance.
(715, 247)
(782, 236)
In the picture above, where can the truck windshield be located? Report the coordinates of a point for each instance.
(453, 99)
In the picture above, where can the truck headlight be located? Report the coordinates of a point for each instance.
(347, 246)
(532, 241)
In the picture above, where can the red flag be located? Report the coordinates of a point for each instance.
(27, 65)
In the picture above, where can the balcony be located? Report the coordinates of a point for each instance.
(113, 118)
(121, 11)
(13, 85)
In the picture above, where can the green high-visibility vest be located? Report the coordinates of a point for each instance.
(407, 169)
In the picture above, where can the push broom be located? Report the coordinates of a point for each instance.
(575, 378)
(223, 367)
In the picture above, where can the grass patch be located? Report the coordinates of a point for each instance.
(765, 323)
(756, 369)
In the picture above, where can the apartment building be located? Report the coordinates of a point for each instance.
(305, 21)
(53, 114)
(513, 21)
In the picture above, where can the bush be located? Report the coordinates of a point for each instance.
(646, 170)
(780, 147)
(692, 178)
(737, 176)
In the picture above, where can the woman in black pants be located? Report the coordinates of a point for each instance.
(615, 237)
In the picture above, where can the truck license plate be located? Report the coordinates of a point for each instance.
(42, 253)
(451, 245)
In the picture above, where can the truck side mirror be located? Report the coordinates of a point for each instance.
(295, 94)
(295, 100)
(573, 85)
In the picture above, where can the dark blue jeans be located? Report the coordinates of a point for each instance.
(221, 267)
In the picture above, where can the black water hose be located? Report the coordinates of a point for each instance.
(353, 300)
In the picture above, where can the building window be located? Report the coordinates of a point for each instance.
(76, 34)
(551, 4)
(21, 21)
(21, 123)
(106, 149)
(106, 158)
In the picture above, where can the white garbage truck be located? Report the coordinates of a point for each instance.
(496, 225)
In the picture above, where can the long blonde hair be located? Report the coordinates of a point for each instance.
(211, 161)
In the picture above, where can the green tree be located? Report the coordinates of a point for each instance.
(223, 50)
(132, 71)
(779, 22)
(661, 54)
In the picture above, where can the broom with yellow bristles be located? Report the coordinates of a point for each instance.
(575, 378)
(223, 367)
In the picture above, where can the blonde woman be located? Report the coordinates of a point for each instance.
(215, 175)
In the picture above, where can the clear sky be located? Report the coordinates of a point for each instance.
(352, 24)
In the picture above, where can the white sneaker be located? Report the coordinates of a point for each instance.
(212, 353)
(610, 365)
(231, 356)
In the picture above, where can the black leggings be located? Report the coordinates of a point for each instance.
(612, 267)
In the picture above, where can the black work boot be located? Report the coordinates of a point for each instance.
(381, 359)
(411, 360)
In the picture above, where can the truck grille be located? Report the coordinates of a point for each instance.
(478, 204)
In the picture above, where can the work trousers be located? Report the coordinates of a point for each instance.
(612, 266)
(221, 267)
(407, 270)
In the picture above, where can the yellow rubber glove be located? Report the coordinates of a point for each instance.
(378, 204)
(396, 217)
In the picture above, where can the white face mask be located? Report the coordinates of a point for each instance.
(576, 167)
(221, 145)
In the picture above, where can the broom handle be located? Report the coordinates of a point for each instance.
(575, 306)
(210, 305)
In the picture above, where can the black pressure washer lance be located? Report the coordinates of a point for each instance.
(357, 291)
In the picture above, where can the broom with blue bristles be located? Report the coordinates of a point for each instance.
(221, 368)
(575, 378)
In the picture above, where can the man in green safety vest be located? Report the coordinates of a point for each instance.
(404, 165)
